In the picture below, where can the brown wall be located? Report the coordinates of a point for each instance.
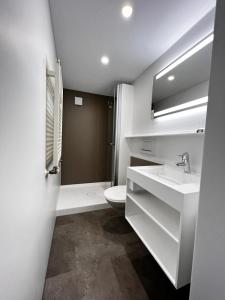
(85, 138)
(137, 162)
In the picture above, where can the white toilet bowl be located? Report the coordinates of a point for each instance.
(116, 196)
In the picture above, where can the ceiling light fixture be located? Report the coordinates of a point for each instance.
(171, 77)
(105, 60)
(181, 107)
(186, 55)
(194, 111)
(127, 11)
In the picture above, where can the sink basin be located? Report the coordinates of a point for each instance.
(171, 175)
(170, 184)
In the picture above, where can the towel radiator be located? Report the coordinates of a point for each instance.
(54, 146)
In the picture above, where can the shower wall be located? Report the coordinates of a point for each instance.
(87, 136)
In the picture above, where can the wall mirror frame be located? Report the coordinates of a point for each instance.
(183, 84)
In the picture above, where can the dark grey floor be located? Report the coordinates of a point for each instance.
(97, 256)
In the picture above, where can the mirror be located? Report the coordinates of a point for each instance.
(184, 83)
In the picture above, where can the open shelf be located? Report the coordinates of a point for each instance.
(162, 247)
(167, 133)
(162, 214)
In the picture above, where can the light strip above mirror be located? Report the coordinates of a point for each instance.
(186, 55)
(181, 107)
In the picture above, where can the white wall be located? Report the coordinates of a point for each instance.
(192, 119)
(28, 199)
(208, 272)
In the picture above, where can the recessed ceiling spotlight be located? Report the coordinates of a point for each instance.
(105, 60)
(171, 77)
(127, 11)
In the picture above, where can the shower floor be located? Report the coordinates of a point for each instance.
(79, 198)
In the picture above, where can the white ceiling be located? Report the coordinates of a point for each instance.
(85, 30)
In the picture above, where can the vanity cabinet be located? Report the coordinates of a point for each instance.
(166, 230)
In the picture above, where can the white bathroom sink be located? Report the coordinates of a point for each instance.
(170, 174)
(168, 183)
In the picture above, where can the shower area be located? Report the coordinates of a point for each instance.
(90, 145)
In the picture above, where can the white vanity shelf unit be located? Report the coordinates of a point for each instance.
(197, 132)
(166, 229)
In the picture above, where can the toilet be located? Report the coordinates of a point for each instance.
(116, 196)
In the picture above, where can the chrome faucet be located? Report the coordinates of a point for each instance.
(185, 163)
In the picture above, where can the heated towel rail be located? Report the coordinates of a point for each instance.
(54, 116)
